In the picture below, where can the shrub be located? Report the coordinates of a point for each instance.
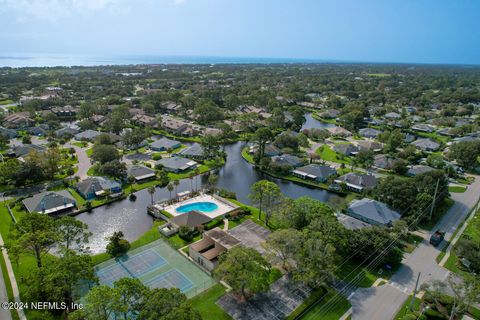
(186, 233)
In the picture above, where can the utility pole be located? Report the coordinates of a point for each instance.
(434, 199)
(414, 292)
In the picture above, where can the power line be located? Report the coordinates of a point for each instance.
(360, 265)
(333, 301)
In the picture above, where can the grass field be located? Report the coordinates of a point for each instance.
(324, 309)
(205, 303)
(326, 153)
(457, 189)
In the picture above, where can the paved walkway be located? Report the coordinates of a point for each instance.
(13, 282)
(4, 314)
(379, 303)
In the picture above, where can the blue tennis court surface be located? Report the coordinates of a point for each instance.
(170, 279)
(157, 265)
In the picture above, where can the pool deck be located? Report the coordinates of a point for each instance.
(224, 206)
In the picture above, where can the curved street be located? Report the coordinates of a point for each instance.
(383, 302)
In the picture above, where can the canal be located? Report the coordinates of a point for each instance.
(236, 175)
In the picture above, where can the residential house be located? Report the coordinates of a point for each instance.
(176, 164)
(10, 133)
(346, 149)
(19, 120)
(287, 160)
(426, 144)
(195, 151)
(164, 144)
(384, 162)
(144, 120)
(24, 149)
(66, 132)
(373, 212)
(141, 173)
(392, 116)
(315, 172)
(350, 222)
(330, 113)
(50, 202)
(369, 145)
(339, 131)
(418, 169)
(65, 111)
(409, 138)
(40, 130)
(369, 133)
(88, 135)
(357, 182)
(422, 127)
(93, 187)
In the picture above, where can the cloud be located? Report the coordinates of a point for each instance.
(53, 9)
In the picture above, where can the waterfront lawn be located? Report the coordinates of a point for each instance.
(205, 303)
(168, 135)
(328, 154)
(319, 311)
(317, 117)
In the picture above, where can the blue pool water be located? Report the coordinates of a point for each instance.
(199, 206)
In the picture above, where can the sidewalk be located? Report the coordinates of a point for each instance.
(13, 281)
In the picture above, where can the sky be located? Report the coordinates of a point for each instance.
(405, 31)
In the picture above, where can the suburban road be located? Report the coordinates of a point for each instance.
(383, 302)
(84, 162)
(4, 314)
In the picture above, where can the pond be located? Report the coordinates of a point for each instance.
(310, 123)
(131, 217)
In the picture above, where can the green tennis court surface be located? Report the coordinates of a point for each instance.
(157, 265)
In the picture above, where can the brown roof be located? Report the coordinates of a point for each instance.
(190, 219)
(222, 238)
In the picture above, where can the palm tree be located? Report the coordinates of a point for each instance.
(191, 175)
(176, 183)
(170, 189)
(151, 190)
(212, 181)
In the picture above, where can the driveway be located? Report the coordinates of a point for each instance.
(84, 162)
(383, 302)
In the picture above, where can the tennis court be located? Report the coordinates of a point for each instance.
(157, 265)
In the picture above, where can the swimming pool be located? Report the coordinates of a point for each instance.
(198, 206)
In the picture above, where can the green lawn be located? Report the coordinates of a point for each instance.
(322, 310)
(362, 277)
(317, 117)
(472, 231)
(457, 189)
(80, 144)
(326, 153)
(205, 303)
(8, 285)
(403, 310)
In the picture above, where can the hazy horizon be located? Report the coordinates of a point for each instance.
(370, 31)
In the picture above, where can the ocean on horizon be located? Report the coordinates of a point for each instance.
(55, 60)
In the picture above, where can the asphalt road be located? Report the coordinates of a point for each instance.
(84, 162)
(380, 303)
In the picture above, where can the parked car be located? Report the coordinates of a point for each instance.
(437, 238)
